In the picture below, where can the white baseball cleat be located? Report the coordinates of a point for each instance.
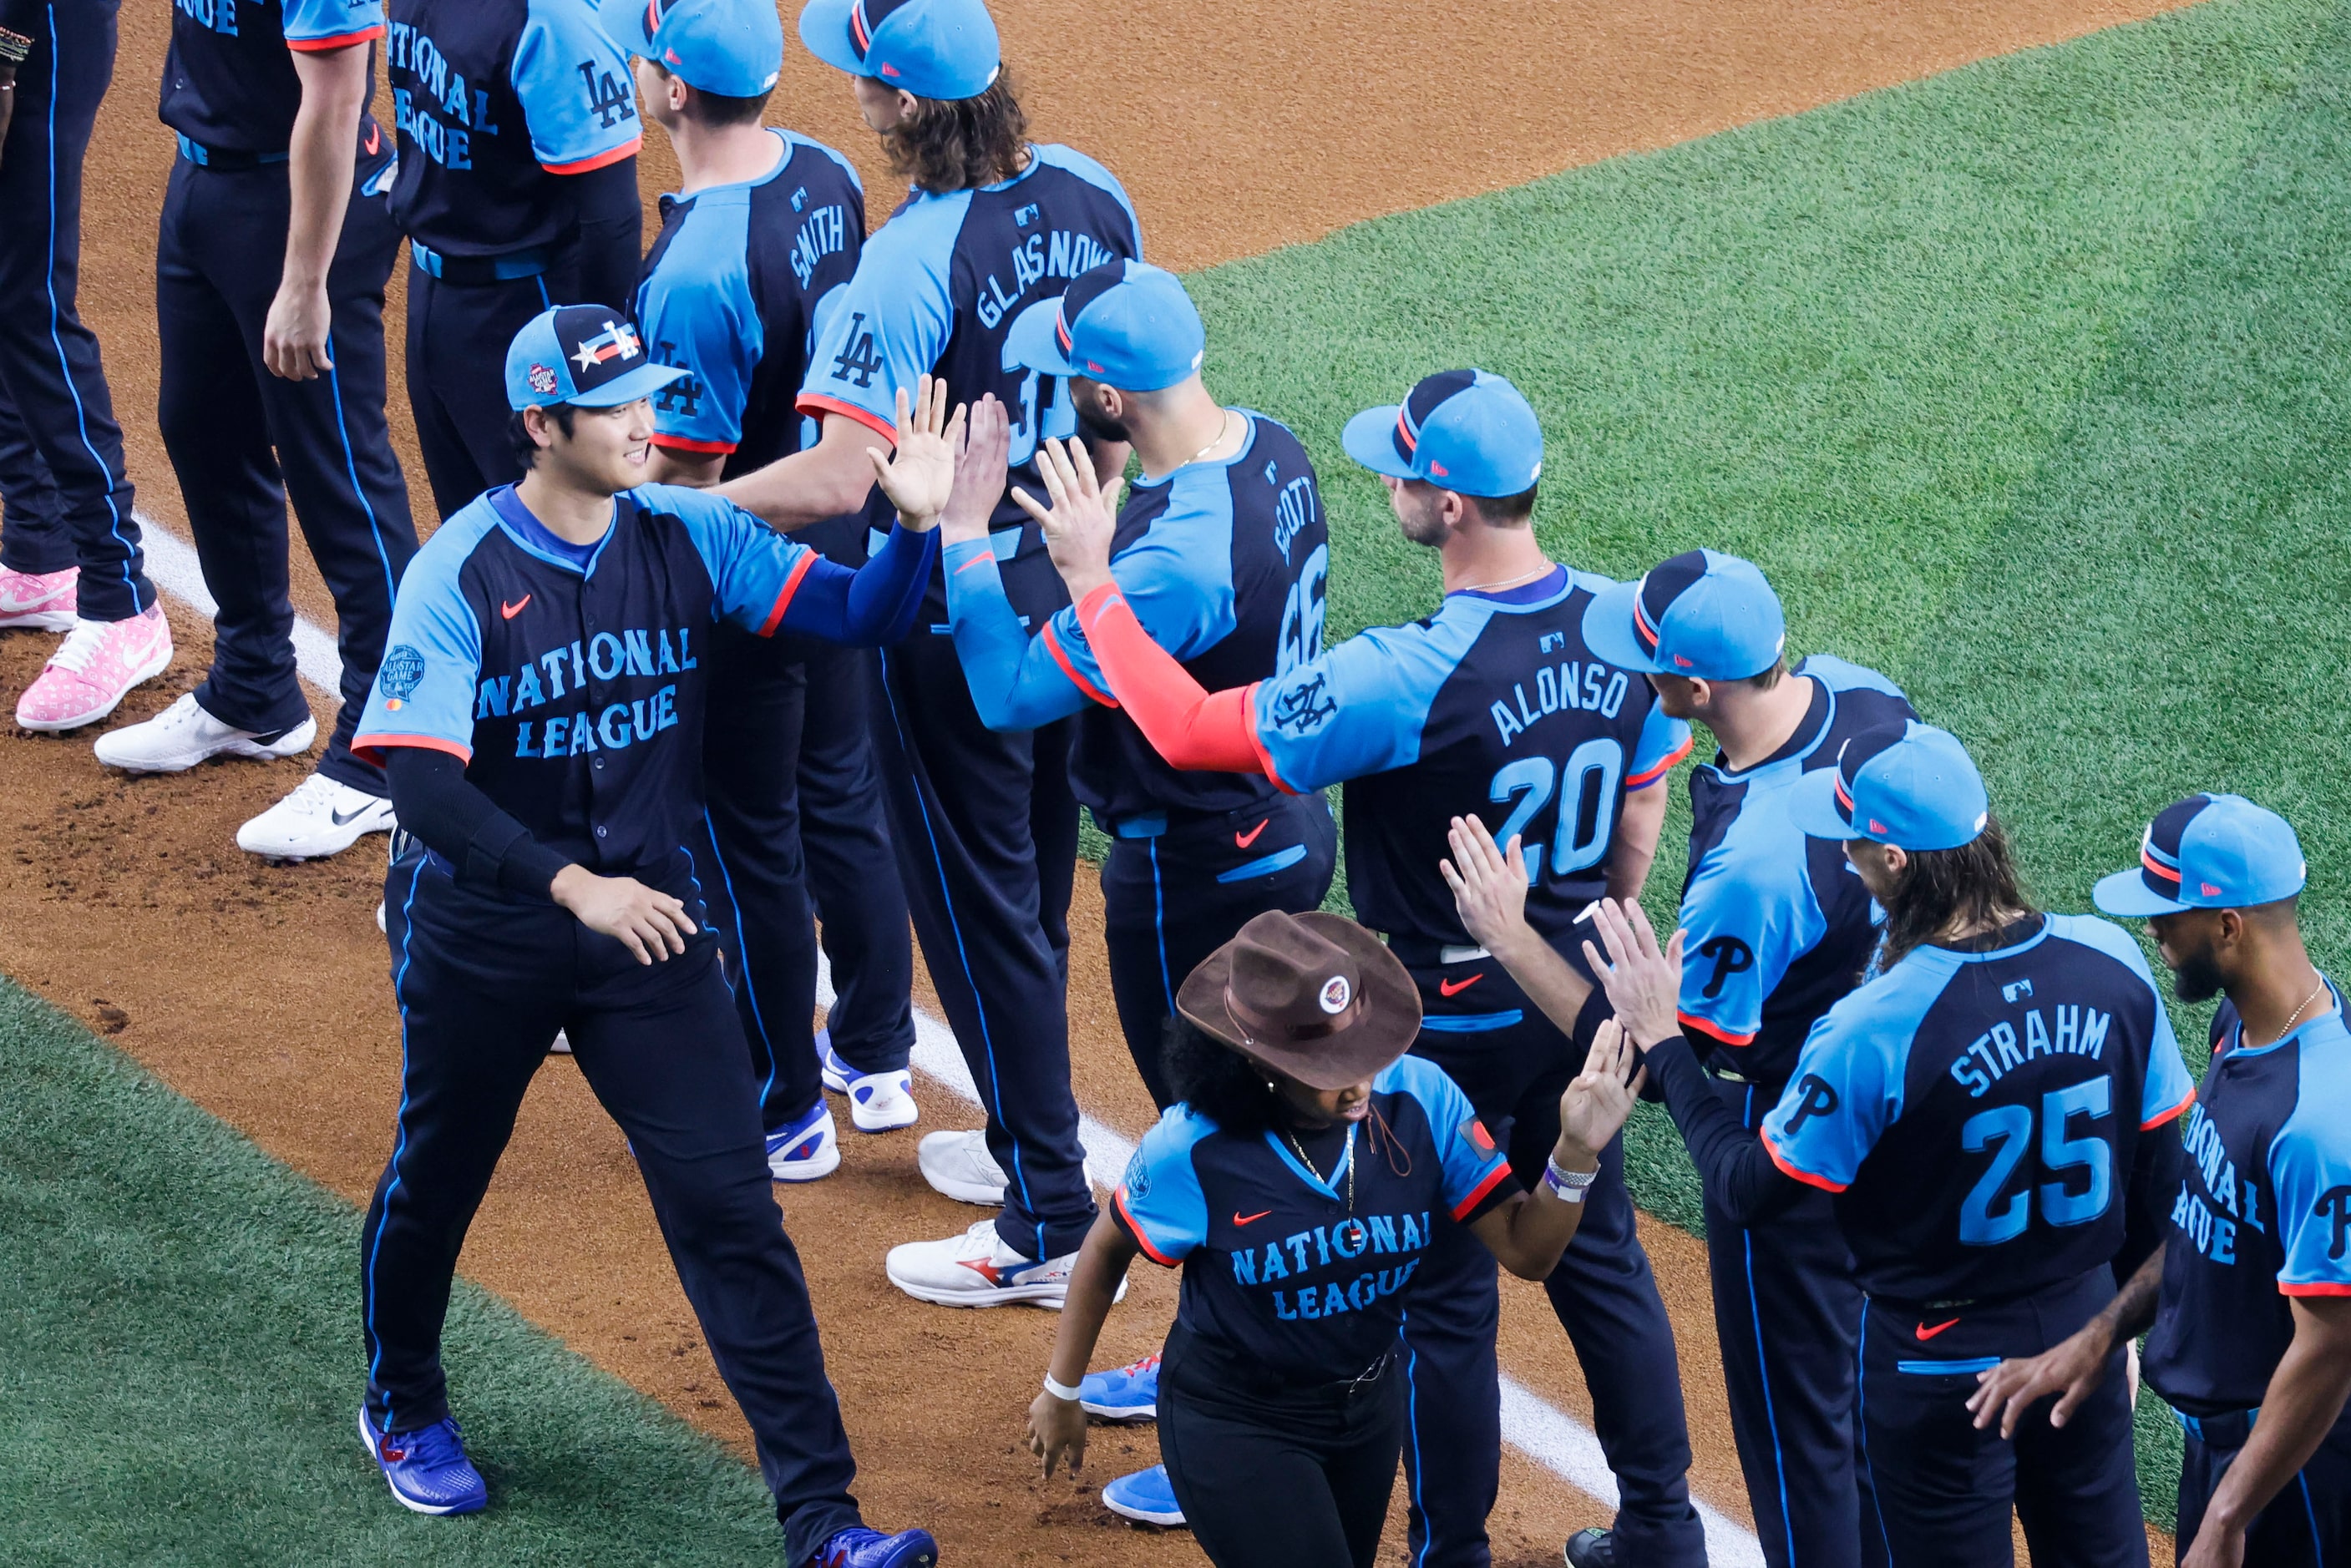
(184, 735)
(976, 1269)
(320, 818)
(958, 1165)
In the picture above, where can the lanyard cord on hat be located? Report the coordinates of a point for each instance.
(1347, 1155)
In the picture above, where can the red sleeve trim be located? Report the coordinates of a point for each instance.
(818, 403)
(2179, 1110)
(1643, 780)
(339, 41)
(784, 596)
(1715, 1030)
(1053, 647)
(370, 748)
(707, 447)
(1494, 1178)
(590, 165)
(1806, 1177)
(2325, 1288)
(1136, 1230)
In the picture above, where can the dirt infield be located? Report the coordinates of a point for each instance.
(260, 992)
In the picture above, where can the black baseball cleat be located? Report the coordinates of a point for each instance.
(1591, 1549)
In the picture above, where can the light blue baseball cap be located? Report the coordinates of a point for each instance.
(732, 47)
(1464, 431)
(933, 48)
(1909, 786)
(2207, 852)
(1127, 324)
(1703, 615)
(586, 355)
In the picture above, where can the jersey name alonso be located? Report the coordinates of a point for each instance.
(1978, 1115)
(493, 100)
(2263, 1213)
(1491, 707)
(1779, 923)
(228, 79)
(1276, 1267)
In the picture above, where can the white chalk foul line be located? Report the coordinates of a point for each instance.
(1537, 1428)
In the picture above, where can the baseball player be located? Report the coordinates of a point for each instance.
(1991, 1114)
(1493, 707)
(69, 558)
(1779, 930)
(765, 230)
(2249, 1299)
(984, 824)
(540, 713)
(517, 187)
(270, 263)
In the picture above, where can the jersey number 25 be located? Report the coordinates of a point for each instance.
(1587, 806)
(2010, 1129)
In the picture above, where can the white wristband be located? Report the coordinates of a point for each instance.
(1568, 1186)
(1059, 1390)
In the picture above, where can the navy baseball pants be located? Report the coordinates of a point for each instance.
(457, 337)
(76, 496)
(1177, 887)
(1514, 1065)
(1945, 1491)
(786, 744)
(482, 985)
(1788, 1315)
(986, 833)
(244, 442)
(2307, 1525)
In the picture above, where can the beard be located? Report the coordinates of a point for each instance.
(2197, 978)
(1424, 528)
(1099, 431)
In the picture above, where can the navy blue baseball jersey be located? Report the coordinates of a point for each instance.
(2263, 1213)
(492, 100)
(736, 288)
(572, 681)
(940, 283)
(1492, 705)
(228, 78)
(1277, 1267)
(1223, 563)
(1779, 925)
(1978, 1114)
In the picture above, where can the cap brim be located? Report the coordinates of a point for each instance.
(1811, 806)
(1391, 1017)
(2126, 894)
(642, 382)
(1370, 439)
(1608, 628)
(824, 33)
(624, 22)
(1034, 344)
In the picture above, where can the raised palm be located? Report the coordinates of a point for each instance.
(920, 475)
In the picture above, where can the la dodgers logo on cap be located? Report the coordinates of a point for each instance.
(588, 355)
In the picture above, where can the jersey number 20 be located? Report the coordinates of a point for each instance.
(2010, 1129)
(1587, 806)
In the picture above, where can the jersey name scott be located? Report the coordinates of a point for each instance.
(2197, 1217)
(1327, 1250)
(1065, 252)
(1588, 688)
(2080, 1032)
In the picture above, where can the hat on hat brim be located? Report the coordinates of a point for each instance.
(2126, 894)
(824, 31)
(1035, 342)
(1370, 439)
(642, 382)
(1608, 629)
(1812, 806)
(1389, 1021)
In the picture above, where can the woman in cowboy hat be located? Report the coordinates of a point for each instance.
(1296, 1182)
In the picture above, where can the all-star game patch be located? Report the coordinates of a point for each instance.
(399, 676)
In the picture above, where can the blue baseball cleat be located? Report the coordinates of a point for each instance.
(427, 1468)
(858, 1547)
(1146, 1497)
(806, 1150)
(1129, 1394)
(878, 1102)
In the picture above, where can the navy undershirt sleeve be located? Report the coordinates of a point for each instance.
(2154, 1178)
(485, 846)
(611, 233)
(1739, 1174)
(872, 606)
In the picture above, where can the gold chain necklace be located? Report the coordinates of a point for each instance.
(1348, 1154)
(2296, 1014)
(1507, 582)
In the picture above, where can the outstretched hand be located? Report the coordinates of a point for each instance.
(1490, 885)
(979, 469)
(918, 476)
(1643, 981)
(1599, 1100)
(1082, 517)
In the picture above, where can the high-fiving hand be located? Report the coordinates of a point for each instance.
(979, 469)
(1083, 518)
(918, 477)
(1490, 885)
(1643, 981)
(1600, 1099)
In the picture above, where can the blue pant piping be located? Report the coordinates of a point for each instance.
(399, 1143)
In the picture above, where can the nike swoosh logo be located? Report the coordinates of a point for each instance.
(1925, 1332)
(514, 609)
(342, 821)
(1246, 839)
(375, 139)
(980, 560)
(1450, 987)
(1252, 1218)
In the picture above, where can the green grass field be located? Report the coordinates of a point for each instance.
(2023, 384)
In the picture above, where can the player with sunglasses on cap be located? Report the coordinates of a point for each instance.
(1296, 1184)
(2247, 1306)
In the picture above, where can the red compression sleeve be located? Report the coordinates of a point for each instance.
(1187, 725)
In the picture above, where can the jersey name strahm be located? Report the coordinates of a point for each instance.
(2081, 1032)
(445, 135)
(1063, 253)
(1592, 688)
(2197, 1217)
(1349, 1240)
(821, 233)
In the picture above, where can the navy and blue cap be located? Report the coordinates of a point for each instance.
(1909, 786)
(2207, 852)
(1706, 616)
(1127, 324)
(731, 47)
(933, 48)
(586, 355)
(1465, 430)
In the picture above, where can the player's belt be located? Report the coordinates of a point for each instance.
(224, 159)
(473, 271)
(2232, 1430)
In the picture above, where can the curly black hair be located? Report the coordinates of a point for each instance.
(1218, 1081)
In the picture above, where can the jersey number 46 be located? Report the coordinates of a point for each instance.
(2006, 1130)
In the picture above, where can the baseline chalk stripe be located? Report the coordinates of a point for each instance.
(1550, 1436)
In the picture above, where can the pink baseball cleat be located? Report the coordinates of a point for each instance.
(43, 601)
(94, 668)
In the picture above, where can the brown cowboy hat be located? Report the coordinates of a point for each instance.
(1315, 997)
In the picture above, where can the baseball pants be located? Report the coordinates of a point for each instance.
(78, 497)
(244, 442)
(1175, 887)
(457, 337)
(1514, 1065)
(1788, 1315)
(986, 833)
(482, 985)
(1945, 1491)
(2307, 1525)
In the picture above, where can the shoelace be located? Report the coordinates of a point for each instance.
(81, 646)
(1137, 1368)
(434, 1448)
(312, 795)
